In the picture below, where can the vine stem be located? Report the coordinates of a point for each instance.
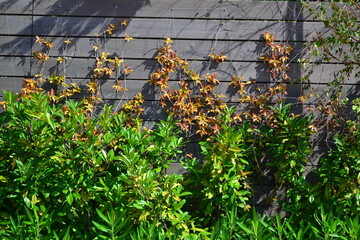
(355, 4)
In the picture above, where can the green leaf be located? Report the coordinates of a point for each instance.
(10, 97)
(235, 149)
(27, 201)
(144, 215)
(102, 216)
(140, 204)
(70, 198)
(243, 227)
(101, 227)
(50, 121)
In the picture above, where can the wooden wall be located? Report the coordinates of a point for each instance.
(196, 26)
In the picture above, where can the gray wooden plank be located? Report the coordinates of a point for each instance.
(15, 25)
(14, 66)
(235, 9)
(82, 68)
(15, 46)
(147, 48)
(13, 84)
(294, 91)
(179, 28)
(152, 110)
(16, 7)
(264, 194)
(175, 168)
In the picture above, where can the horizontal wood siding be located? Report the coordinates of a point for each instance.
(174, 8)
(16, 7)
(197, 27)
(239, 30)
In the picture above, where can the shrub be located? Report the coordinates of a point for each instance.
(221, 182)
(64, 172)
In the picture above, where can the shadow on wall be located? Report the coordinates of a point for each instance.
(294, 31)
(16, 6)
(59, 18)
(86, 10)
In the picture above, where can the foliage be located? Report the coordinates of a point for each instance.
(276, 57)
(286, 139)
(339, 43)
(286, 143)
(221, 181)
(338, 186)
(195, 103)
(339, 172)
(342, 43)
(61, 167)
(67, 172)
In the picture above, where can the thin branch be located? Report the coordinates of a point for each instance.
(355, 4)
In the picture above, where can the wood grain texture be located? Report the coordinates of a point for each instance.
(13, 84)
(234, 9)
(147, 48)
(16, 7)
(179, 28)
(14, 66)
(15, 25)
(15, 46)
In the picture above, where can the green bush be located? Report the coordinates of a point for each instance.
(339, 172)
(65, 174)
(221, 182)
(68, 174)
